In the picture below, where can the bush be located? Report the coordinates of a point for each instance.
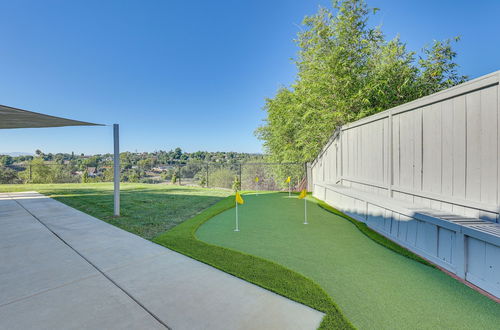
(85, 177)
(221, 178)
(8, 175)
(236, 183)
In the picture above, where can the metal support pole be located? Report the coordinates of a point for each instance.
(116, 165)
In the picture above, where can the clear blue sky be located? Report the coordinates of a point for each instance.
(192, 74)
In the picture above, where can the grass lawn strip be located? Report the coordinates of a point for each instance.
(146, 209)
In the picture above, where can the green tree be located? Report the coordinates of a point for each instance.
(174, 178)
(85, 177)
(347, 70)
(40, 172)
(8, 175)
(236, 183)
(6, 160)
(221, 178)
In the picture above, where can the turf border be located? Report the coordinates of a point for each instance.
(261, 272)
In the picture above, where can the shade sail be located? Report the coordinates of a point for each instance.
(18, 118)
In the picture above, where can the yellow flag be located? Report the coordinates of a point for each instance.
(303, 194)
(238, 198)
(287, 180)
(257, 179)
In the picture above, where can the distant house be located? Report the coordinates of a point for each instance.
(161, 168)
(92, 171)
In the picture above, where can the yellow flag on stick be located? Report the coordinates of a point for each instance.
(239, 200)
(257, 179)
(303, 194)
(287, 180)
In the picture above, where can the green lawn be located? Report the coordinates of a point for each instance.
(146, 209)
(374, 287)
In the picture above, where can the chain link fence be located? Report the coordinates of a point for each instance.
(244, 176)
(54, 173)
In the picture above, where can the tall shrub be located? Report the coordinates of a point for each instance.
(347, 70)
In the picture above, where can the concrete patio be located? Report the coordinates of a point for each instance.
(63, 269)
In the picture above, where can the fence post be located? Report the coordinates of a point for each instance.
(241, 183)
(207, 175)
(179, 172)
(30, 173)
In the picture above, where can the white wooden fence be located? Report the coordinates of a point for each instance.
(437, 155)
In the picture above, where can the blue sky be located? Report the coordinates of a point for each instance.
(193, 74)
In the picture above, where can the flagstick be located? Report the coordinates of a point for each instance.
(289, 189)
(305, 211)
(237, 229)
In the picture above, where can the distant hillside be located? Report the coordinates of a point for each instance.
(17, 153)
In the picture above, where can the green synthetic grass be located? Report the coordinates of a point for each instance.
(146, 209)
(374, 287)
(372, 234)
(264, 273)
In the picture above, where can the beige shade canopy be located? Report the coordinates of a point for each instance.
(18, 118)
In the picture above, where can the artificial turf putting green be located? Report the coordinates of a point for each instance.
(374, 287)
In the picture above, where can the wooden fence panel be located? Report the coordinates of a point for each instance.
(440, 151)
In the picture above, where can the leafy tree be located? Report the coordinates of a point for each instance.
(8, 175)
(346, 71)
(108, 174)
(174, 178)
(40, 172)
(6, 160)
(177, 153)
(221, 178)
(61, 174)
(236, 183)
(85, 176)
(439, 70)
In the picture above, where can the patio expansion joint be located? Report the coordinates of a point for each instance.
(49, 289)
(94, 266)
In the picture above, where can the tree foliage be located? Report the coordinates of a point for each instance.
(347, 70)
